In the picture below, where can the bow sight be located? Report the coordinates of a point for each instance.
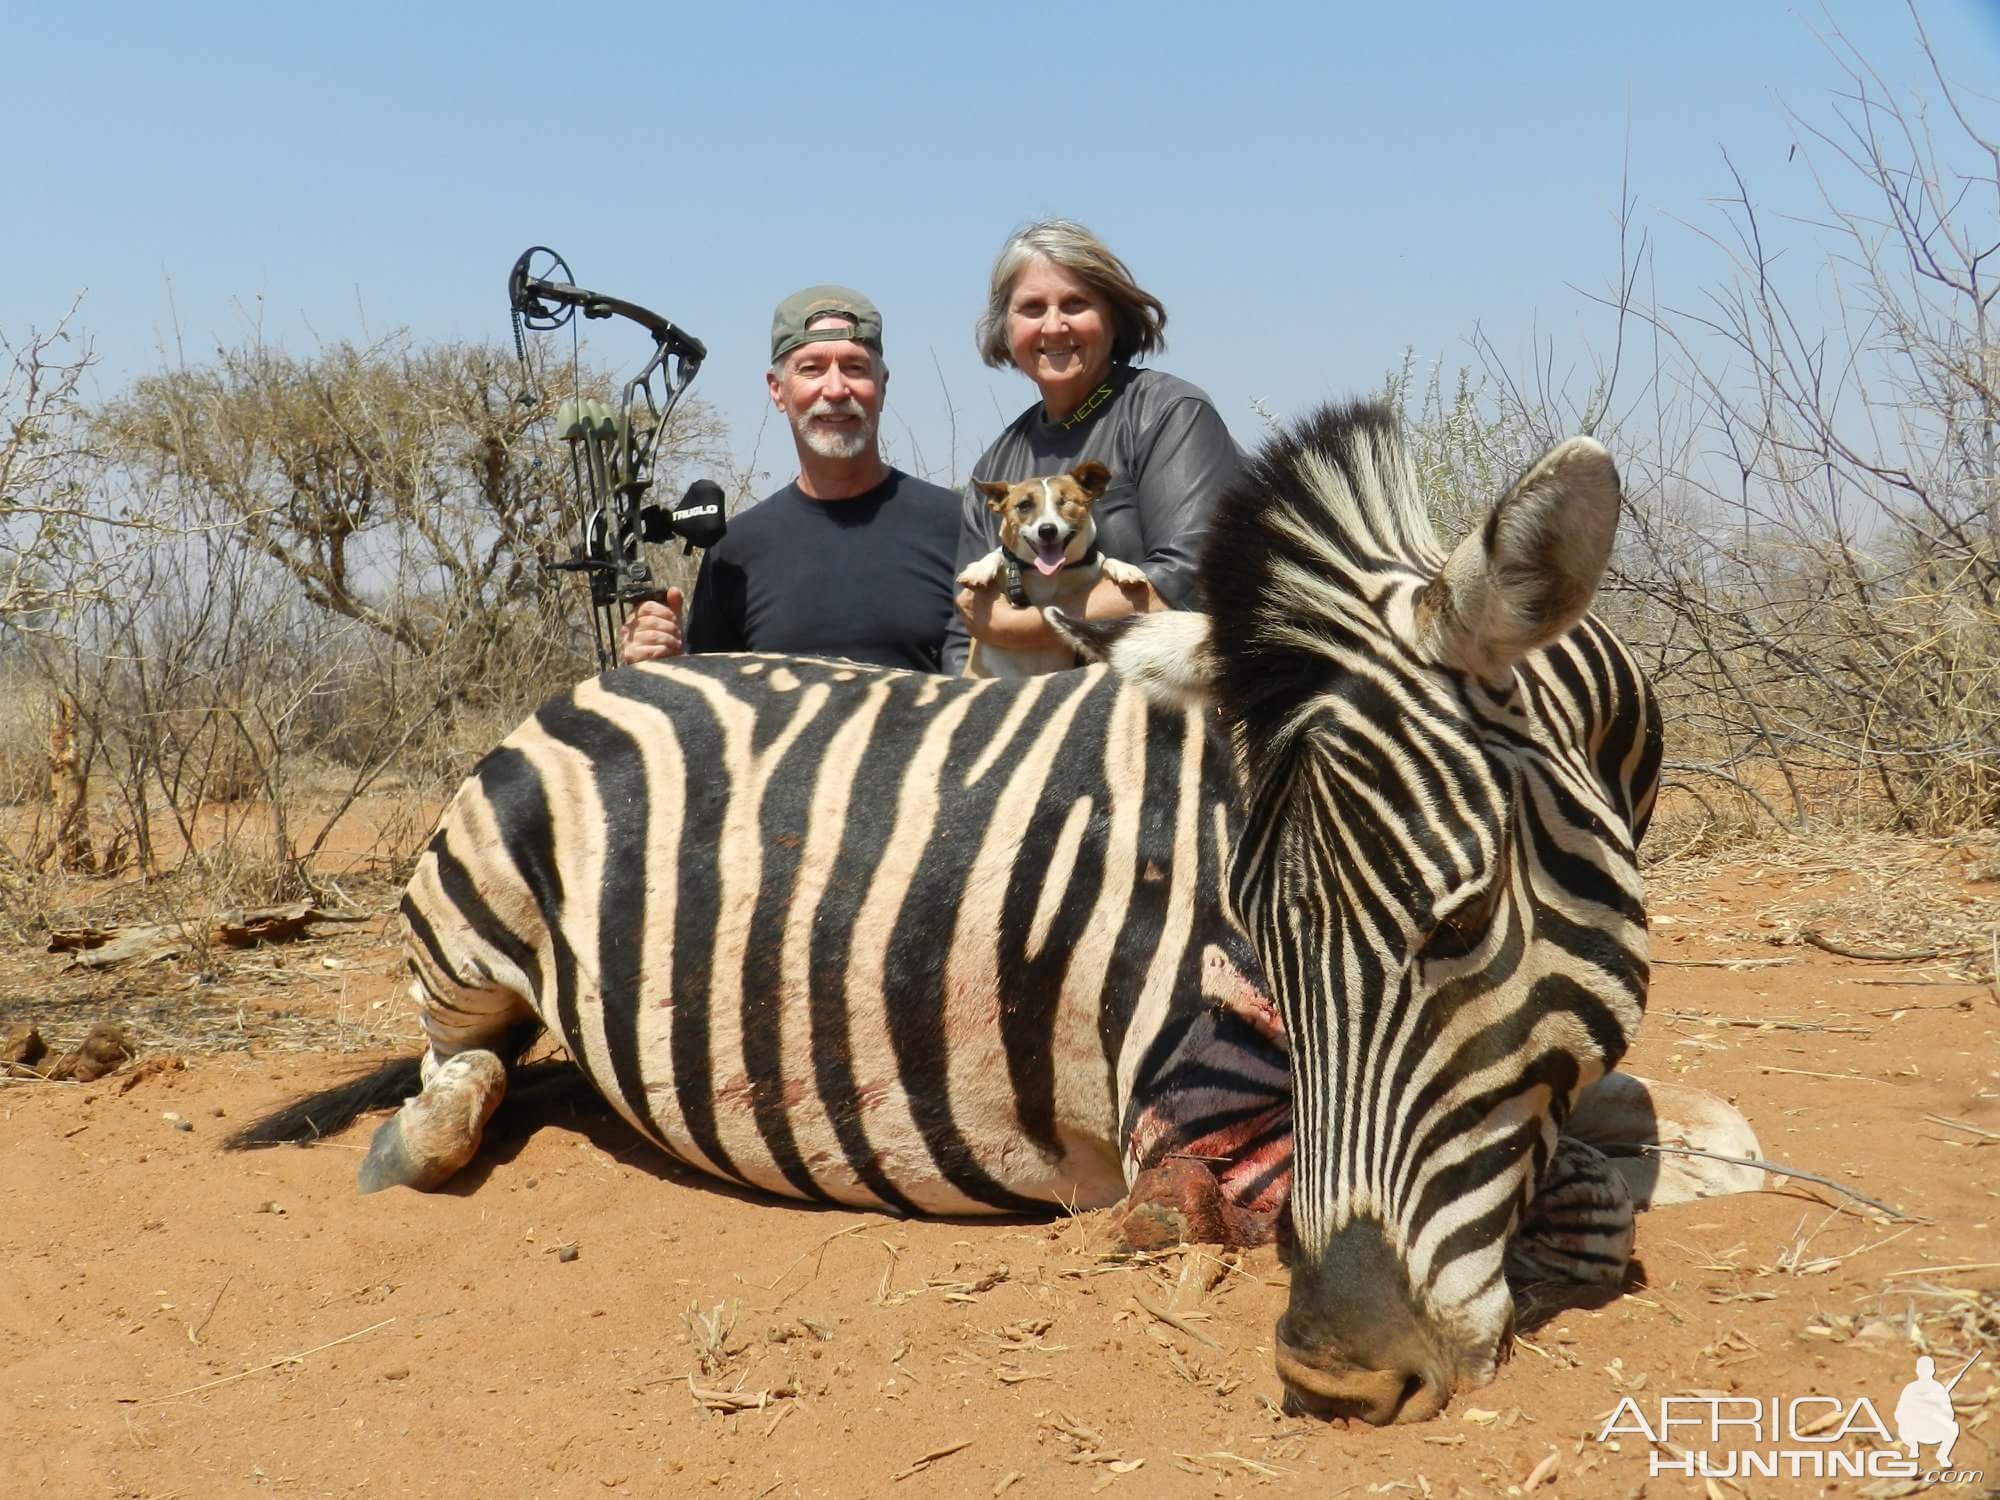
(611, 450)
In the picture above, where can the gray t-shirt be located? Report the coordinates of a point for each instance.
(865, 578)
(1170, 457)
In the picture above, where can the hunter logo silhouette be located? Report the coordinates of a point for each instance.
(1923, 1411)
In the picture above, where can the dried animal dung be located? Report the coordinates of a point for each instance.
(104, 1049)
(21, 1049)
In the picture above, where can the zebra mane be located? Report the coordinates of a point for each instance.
(1339, 478)
(1300, 545)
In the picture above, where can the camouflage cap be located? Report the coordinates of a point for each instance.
(790, 323)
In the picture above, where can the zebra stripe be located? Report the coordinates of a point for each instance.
(859, 935)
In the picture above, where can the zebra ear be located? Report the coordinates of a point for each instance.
(1166, 656)
(1527, 575)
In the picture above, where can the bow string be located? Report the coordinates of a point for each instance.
(612, 446)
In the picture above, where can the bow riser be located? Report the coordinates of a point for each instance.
(611, 456)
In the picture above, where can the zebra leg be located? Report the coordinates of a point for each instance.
(1578, 1228)
(466, 1014)
(436, 1133)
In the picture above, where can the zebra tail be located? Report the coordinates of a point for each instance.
(331, 1111)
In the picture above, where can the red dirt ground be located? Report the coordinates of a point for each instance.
(176, 1322)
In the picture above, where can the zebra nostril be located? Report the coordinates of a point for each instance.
(1381, 1398)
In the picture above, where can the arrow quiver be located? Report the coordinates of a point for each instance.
(612, 447)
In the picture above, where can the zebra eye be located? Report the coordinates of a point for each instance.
(1465, 927)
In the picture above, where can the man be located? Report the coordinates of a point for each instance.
(853, 558)
(1923, 1412)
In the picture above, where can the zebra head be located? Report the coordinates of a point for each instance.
(1444, 768)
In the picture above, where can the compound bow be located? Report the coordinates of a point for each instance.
(611, 451)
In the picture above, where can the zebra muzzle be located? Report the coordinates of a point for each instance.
(1381, 1398)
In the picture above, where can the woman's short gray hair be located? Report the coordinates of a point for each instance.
(1138, 319)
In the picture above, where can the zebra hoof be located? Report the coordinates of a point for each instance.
(387, 1163)
(438, 1132)
(1622, 1115)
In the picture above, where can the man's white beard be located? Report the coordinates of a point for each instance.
(831, 442)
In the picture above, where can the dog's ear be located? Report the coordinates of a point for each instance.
(996, 494)
(1092, 476)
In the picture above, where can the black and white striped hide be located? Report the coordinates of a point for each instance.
(867, 936)
(1446, 767)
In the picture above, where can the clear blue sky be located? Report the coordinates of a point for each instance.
(1311, 188)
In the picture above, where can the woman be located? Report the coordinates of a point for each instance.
(1066, 313)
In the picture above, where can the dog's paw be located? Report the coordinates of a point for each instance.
(1123, 573)
(982, 573)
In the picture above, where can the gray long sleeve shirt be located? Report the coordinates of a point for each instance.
(1170, 457)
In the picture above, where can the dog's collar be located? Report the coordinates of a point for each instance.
(1018, 596)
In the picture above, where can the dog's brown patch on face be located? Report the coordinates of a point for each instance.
(1070, 496)
(1072, 504)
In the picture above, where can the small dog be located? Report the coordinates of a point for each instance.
(1047, 553)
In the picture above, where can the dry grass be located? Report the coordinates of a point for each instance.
(334, 993)
(1927, 909)
(1951, 1324)
(24, 738)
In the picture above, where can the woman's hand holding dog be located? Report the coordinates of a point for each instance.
(652, 632)
(991, 619)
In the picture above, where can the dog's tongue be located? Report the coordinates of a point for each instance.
(1048, 558)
